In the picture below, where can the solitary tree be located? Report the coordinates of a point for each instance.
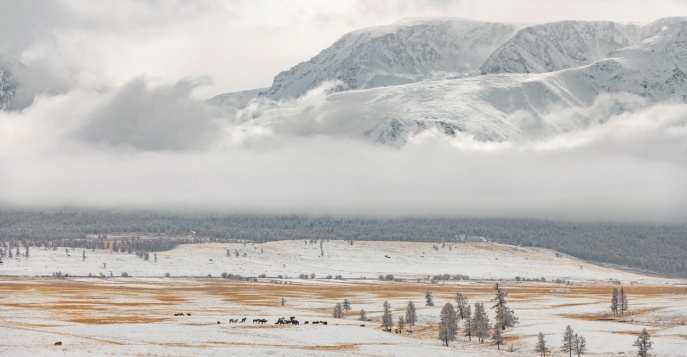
(429, 298)
(568, 337)
(346, 305)
(411, 315)
(579, 345)
(448, 325)
(643, 344)
(497, 337)
(338, 311)
(614, 301)
(283, 302)
(83, 256)
(469, 328)
(461, 305)
(541, 346)
(623, 305)
(363, 315)
(387, 319)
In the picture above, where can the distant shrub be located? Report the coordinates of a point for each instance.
(262, 276)
(125, 275)
(224, 275)
(167, 275)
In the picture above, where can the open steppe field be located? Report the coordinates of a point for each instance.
(135, 316)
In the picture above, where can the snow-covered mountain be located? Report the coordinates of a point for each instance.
(555, 46)
(543, 80)
(405, 52)
(8, 85)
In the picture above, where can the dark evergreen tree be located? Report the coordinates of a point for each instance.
(429, 299)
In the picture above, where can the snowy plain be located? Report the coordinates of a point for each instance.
(134, 316)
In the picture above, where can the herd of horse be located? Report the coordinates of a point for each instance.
(281, 321)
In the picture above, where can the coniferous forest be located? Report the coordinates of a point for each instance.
(655, 248)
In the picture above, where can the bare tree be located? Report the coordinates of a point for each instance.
(338, 311)
(496, 336)
(614, 301)
(429, 298)
(480, 322)
(568, 337)
(83, 255)
(401, 322)
(504, 316)
(363, 315)
(469, 328)
(579, 345)
(541, 346)
(623, 305)
(411, 314)
(643, 344)
(283, 302)
(387, 319)
(461, 305)
(448, 325)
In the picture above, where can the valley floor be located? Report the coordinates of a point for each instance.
(135, 316)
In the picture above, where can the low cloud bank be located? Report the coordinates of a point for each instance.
(149, 145)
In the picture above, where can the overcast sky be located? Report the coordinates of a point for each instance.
(121, 123)
(241, 44)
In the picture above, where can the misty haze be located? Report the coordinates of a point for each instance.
(318, 178)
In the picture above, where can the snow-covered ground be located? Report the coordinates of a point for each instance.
(134, 316)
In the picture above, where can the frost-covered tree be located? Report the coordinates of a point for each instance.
(480, 321)
(347, 305)
(401, 322)
(411, 314)
(363, 315)
(614, 301)
(83, 255)
(387, 319)
(504, 316)
(643, 344)
(579, 345)
(623, 305)
(448, 325)
(461, 305)
(541, 346)
(568, 337)
(429, 299)
(338, 311)
(469, 328)
(496, 336)
(283, 302)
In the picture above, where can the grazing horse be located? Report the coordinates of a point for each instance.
(410, 332)
(218, 322)
(363, 325)
(306, 323)
(323, 322)
(294, 322)
(58, 343)
(315, 322)
(398, 330)
(187, 314)
(243, 320)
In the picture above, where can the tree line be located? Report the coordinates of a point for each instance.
(649, 247)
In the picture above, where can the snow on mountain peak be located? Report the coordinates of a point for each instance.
(407, 51)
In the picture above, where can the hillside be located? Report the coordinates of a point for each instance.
(591, 72)
(404, 52)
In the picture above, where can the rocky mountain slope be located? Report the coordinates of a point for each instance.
(545, 80)
(7, 85)
(404, 52)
